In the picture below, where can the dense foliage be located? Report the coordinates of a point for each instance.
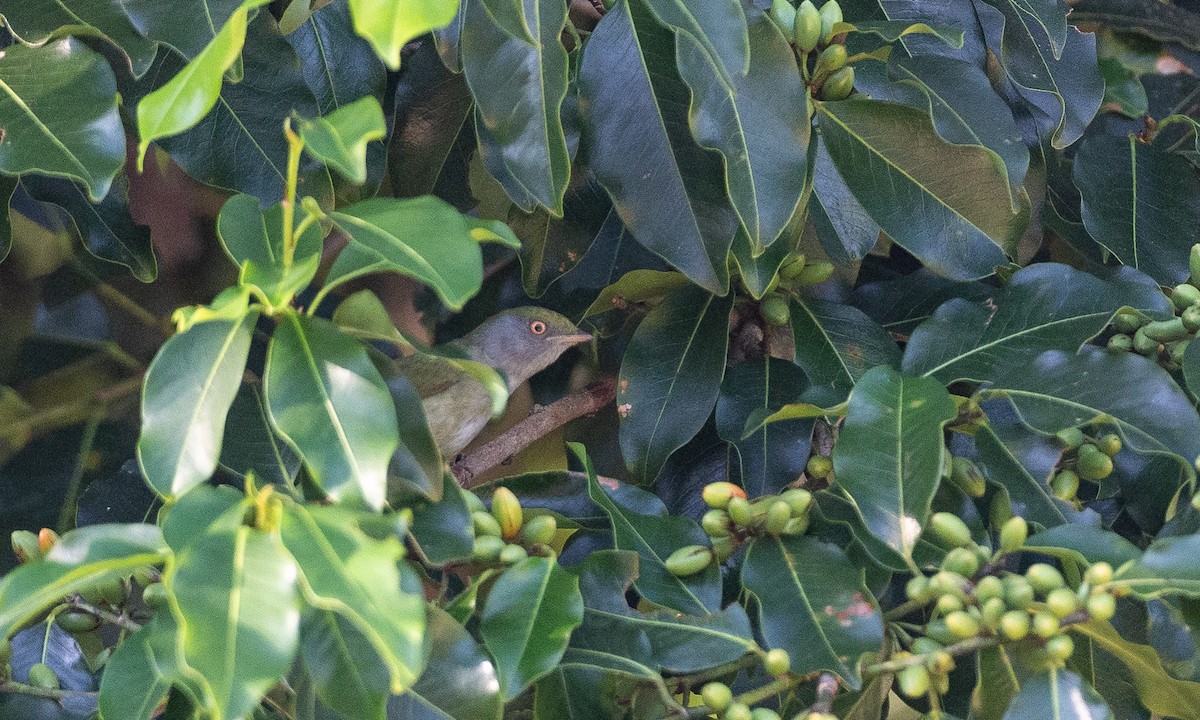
(893, 387)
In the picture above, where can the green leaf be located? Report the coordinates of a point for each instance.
(340, 138)
(949, 205)
(997, 682)
(237, 587)
(389, 24)
(8, 184)
(1060, 82)
(340, 66)
(1060, 694)
(344, 571)
(253, 239)
(250, 443)
(1031, 496)
(670, 376)
(667, 189)
(80, 559)
(142, 669)
(837, 344)
(160, 22)
(206, 507)
(442, 529)
(188, 390)
(346, 672)
(37, 21)
(1162, 694)
(1168, 567)
(527, 620)
(812, 602)
(717, 26)
(329, 401)
(58, 111)
(654, 536)
(636, 286)
(1043, 307)
(663, 640)
(519, 89)
(590, 685)
(1084, 545)
(893, 30)
(1059, 390)
(888, 458)
(846, 232)
(188, 96)
(1140, 201)
(1169, 23)
(1043, 19)
(424, 238)
(759, 123)
(417, 464)
(459, 681)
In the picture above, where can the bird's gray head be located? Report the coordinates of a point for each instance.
(522, 342)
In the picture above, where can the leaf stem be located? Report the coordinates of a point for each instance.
(122, 621)
(295, 147)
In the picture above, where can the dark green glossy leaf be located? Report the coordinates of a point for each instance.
(188, 390)
(1162, 694)
(344, 571)
(901, 304)
(527, 620)
(997, 682)
(424, 238)
(654, 537)
(837, 344)
(329, 401)
(1041, 19)
(892, 30)
(1059, 694)
(846, 232)
(552, 247)
(37, 21)
(417, 464)
(662, 640)
(759, 123)
(812, 602)
(590, 685)
(239, 585)
(1031, 496)
(949, 205)
(107, 229)
(670, 376)
(389, 25)
(253, 239)
(519, 89)
(668, 191)
(1084, 544)
(346, 671)
(1169, 23)
(442, 529)
(142, 669)
(1043, 307)
(341, 137)
(1167, 567)
(718, 26)
(207, 507)
(636, 286)
(80, 559)
(1140, 201)
(250, 443)
(58, 109)
(1060, 390)
(888, 458)
(340, 66)
(459, 682)
(160, 22)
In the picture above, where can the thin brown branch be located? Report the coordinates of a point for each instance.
(519, 436)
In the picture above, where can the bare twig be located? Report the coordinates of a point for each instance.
(537, 425)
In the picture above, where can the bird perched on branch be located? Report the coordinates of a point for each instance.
(518, 343)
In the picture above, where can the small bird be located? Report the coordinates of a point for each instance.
(519, 343)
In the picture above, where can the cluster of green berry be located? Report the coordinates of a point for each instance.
(1164, 340)
(505, 535)
(1085, 458)
(810, 29)
(733, 519)
(80, 615)
(718, 697)
(794, 273)
(972, 597)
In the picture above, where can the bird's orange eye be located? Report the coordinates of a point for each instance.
(537, 327)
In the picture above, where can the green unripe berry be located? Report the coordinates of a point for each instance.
(913, 681)
(1144, 344)
(688, 560)
(999, 510)
(1045, 625)
(506, 508)
(961, 561)
(1013, 534)
(762, 713)
(917, 588)
(155, 595)
(1194, 264)
(1061, 602)
(1014, 624)
(43, 676)
(1060, 647)
(539, 530)
(1183, 296)
(1071, 437)
(487, 548)
(717, 495)
(1128, 322)
(989, 587)
(940, 662)
(962, 625)
(783, 15)
(1109, 444)
(738, 711)
(1178, 349)
(1098, 574)
(739, 511)
(777, 662)
(831, 14)
(716, 696)
(1120, 344)
(966, 476)
(1093, 465)
(1165, 330)
(775, 311)
(792, 265)
(796, 526)
(716, 523)
(806, 30)
(819, 467)
(485, 523)
(947, 604)
(938, 631)
(839, 85)
(950, 529)
(146, 575)
(992, 611)
(1101, 606)
(1018, 593)
(77, 622)
(830, 59)
(817, 272)
(926, 646)
(1191, 318)
(722, 548)
(512, 554)
(1065, 485)
(947, 583)
(1044, 578)
(778, 515)
(799, 500)
(474, 504)
(25, 546)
